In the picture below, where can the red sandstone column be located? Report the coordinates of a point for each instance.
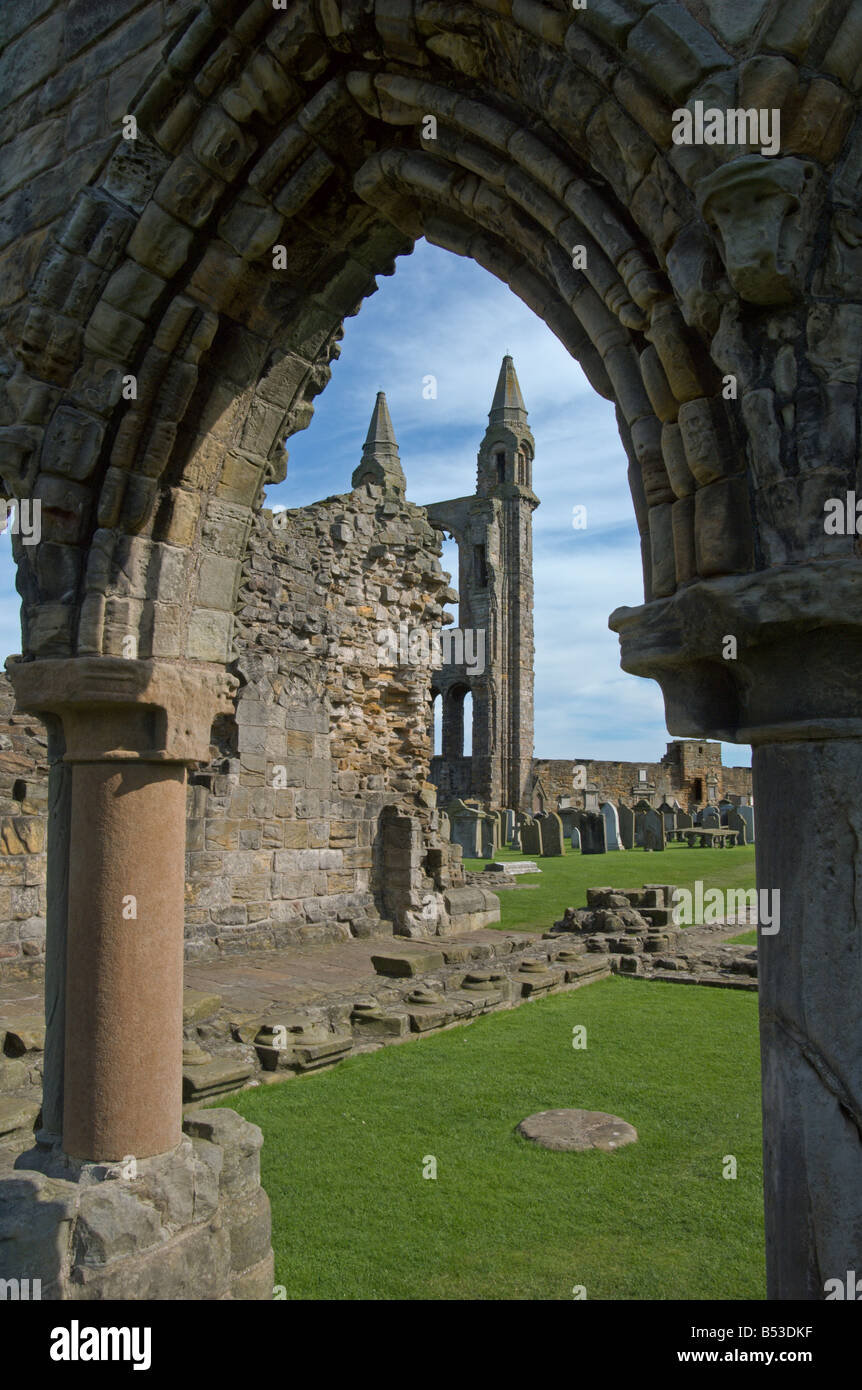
(131, 728)
(124, 981)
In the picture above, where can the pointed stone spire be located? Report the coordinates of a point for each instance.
(380, 461)
(507, 406)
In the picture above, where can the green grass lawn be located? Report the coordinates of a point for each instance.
(746, 938)
(563, 882)
(353, 1218)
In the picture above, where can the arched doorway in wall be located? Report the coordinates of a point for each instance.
(285, 160)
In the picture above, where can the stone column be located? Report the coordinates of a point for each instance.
(130, 729)
(793, 693)
(809, 845)
(56, 915)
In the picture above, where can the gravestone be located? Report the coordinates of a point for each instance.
(569, 817)
(653, 830)
(612, 825)
(515, 841)
(509, 826)
(641, 809)
(737, 822)
(724, 809)
(593, 833)
(683, 820)
(747, 814)
(489, 834)
(626, 818)
(531, 837)
(575, 838)
(668, 815)
(553, 840)
(710, 818)
(465, 828)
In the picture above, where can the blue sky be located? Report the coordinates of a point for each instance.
(444, 315)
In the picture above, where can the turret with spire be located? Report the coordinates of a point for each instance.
(380, 462)
(506, 453)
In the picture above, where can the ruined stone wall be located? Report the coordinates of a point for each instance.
(687, 763)
(285, 839)
(314, 819)
(615, 780)
(736, 782)
(23, 818)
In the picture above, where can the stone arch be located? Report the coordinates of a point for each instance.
(162, 355)
(240, 142)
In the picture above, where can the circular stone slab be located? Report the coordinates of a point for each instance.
(578, 1129)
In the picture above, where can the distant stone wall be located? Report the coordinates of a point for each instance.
(736, 782)
(685, 773)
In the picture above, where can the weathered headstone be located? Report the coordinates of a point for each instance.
(737, 822)
(531, 838)
(683, 820)
(593, 833)
(465, 828)
(710, 818)
(553, 840)
(612, 825)
(640, 811)
(626, 818)
(575, 838)
(489, 834)
(653, 830)
(668, 815)
(724, 809)
(509, 826)
(747, 814)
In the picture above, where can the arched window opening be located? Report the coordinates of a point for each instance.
(450, 559)
(468, 725)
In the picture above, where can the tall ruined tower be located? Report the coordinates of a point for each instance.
(494, 532)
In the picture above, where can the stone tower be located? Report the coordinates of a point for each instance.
(494, 532)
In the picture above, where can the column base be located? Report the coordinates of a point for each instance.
(190, 1224)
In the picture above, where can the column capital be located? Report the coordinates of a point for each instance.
(797, 669)
(113, 709)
